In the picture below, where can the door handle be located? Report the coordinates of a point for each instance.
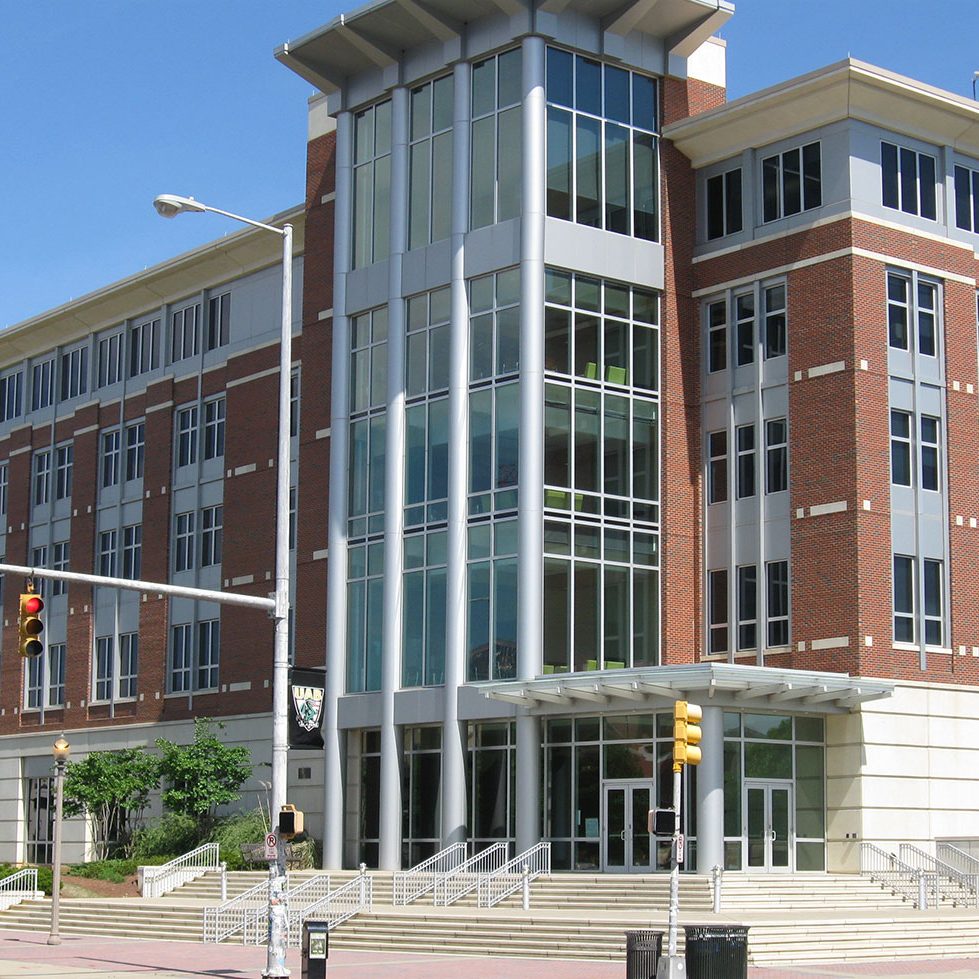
(622, 836)
(774, 836)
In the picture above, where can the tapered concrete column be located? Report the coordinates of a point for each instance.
(710, 793)
(531, 462)
(336, 589)
(454, 734)
(389, 851)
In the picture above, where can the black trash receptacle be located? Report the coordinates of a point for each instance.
(315, 949)
(642, 952)
(716, 951)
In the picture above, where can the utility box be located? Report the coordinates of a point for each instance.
(316, 949)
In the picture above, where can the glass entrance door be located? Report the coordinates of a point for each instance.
(625, 838)
(768, 826)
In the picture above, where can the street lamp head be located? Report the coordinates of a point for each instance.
(61, 749)
(170, 205)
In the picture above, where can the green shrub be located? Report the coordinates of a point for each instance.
(231, 831)
(115, 871)
(173, 834)
(44, 876)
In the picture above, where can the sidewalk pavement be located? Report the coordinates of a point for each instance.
(27, 954)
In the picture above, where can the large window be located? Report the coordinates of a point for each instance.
(186, 436)
(135, 448)
(181, 658)
(132, 551)
(74, 373)
(63, 465)
(423, 646)
(42, 477)
(372, 184)
(106, 562)
(184, 536)
(368, 397)
(365, 612)
(495, 171)
(777, 574)
(724, 204)
(42, 384)
(214, 428)
(45, 678)
(717, 466)
(776, 455)
(185, 333)
(967, 199)
(919, 602)
(912, 313)
(61, 552)
(427, 414)
(421, 793)
(208, 654)
(745, 440)
(218, 321)
(492, 601)
(717, 607)
(144, 347)
(791, 182)
(908, 180)
(11, 395)
(110, 359)
(212, 535)
(110, 461)
(601, 146)
(430, 163)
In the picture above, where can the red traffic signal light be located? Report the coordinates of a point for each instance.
(30, 624)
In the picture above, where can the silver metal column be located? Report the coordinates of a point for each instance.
(454, 733)
(336, 590)
(710, 793)
(389, 855)
(531, 469)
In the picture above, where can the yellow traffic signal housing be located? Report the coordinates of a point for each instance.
(290, 822)
(686, 734)
(30, 625)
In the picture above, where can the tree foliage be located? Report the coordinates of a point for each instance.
(199, 777)
(112, 789)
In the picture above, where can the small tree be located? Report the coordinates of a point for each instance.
(112, 789)
(201, 776)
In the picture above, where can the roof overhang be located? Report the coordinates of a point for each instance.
(232, 256)
(714, 684)
(376, 35)
(846, 90)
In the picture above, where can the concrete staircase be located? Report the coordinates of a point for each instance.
(792, 919)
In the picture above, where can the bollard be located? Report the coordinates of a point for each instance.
(224, 882)
(526, 887)
(922, 892)
(718, 873)
(363, 884)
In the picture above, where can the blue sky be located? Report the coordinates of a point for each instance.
(106, 103)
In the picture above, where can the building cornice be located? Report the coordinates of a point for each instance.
(849, 89)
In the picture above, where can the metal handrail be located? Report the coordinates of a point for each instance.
(529, 865)
(233, 915)
(412, 884)
(158, 881)
(959, 889)
(457, 883)
(10, 891)
(885, 868)
(958, 859)
(335, 908)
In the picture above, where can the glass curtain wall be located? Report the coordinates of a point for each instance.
(372, 184)
(365, 498)
(430, 163)
(602, 153)
(491, 774)
(421, 794)
(776, 747)
(601, 475)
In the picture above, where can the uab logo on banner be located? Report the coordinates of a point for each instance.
(308, 690)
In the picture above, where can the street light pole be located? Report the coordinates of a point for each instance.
(169, 206)
(60, 751)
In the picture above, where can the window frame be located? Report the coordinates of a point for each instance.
(897, 178)
(723, 201)
(778, 190)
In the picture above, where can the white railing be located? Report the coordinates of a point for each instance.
(957, 859)
(455, 884)
(21, 886)
(412, 884)
(236, 915)
(910, 882)
(953, 885)
(518, 872)
(158, 881)
(336, 907)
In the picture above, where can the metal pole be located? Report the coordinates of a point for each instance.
(277, 930)
(671, 966)
(54, 938)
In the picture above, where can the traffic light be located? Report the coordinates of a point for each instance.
(290, 822)
(31, 626)
(686, 734)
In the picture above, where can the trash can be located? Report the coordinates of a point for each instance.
(716, 951)
(642, 952)
(316, 949)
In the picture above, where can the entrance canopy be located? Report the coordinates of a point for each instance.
(711, 684)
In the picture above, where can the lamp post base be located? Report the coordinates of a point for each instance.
(54, 939)
(671, 967)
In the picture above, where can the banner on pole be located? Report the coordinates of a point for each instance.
(307, 690)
